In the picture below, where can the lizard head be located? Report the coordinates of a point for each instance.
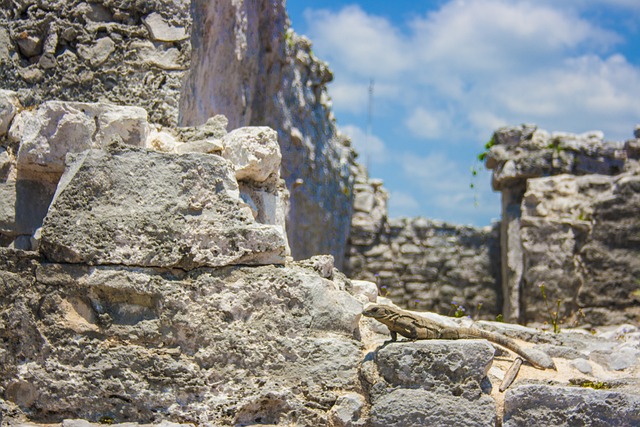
(377, 311)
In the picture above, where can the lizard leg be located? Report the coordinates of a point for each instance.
(394, 335)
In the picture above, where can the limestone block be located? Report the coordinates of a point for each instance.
(165, 58)
(7, 208)
(254, 151)
(418, 407)
(6, 164)
(136, 207)
(435, 363)
(9, 105)
(56, 128)
(529, 405)
(366, 289)
(161, 141)
(161, 30)
(148, 340)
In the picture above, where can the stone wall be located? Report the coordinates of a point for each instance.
(140, 54)
(569, 223)
(423, 264)
(125, 52)
(268, 76)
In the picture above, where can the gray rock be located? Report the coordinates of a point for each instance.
(417, 407)
(254, 151)
(56, 128)
(435, 363)
(97, 53)
(233, 345)
(348, 411)
(569, 406)
(91, 51)
(318, 163)
(583, 366)
(142, 208)
(161, 30)
(618, 359)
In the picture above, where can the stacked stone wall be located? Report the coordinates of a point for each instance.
(125, 52)
(423, 264)
(569, 225)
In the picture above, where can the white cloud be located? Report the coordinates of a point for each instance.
(365, 45)
(428, 124)
(370, 147)
(454, 75)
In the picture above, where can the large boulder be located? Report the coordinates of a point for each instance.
(56, 128)
(143, 208)
(226, 346)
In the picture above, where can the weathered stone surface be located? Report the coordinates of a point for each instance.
(418, 407)
(529, 405)
(141, 208)
(9, 105)
(435, 364)
(567, 224)
(161, 30)
(580, 239)
(348, 411)
(56, 128)
(133, 53)
(267, 76)
(226, 346)
(254, 151)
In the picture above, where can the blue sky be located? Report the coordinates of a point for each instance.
(448, 73)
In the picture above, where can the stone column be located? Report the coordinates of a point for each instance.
(512, 260)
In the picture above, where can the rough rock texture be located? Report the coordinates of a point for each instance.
(56, 128)
(530, 405)
(266, 75)
(35, 147)
(229, 346)
(117, 206)
(569, 222)
(431, 383)
(581, 239)
(125, 52)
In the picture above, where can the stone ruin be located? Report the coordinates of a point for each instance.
(146, 267)
(569, 222)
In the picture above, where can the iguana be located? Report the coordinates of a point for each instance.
(417, 327)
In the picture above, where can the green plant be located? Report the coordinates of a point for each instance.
(553, 316)
(556, 146)
(460, 311)
(500, 318)
(596, 385)
(482, 156)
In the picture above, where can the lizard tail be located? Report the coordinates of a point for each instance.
(538, 359)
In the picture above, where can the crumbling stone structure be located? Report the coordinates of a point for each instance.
(165, 56)
(423, 264)
(569, 223)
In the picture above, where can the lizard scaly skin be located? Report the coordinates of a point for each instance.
(420, 328)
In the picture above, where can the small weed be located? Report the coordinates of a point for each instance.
(106, 419)
(500, 318)
(553, 316)
(460, 311)
(482, 156)
(596, 385)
